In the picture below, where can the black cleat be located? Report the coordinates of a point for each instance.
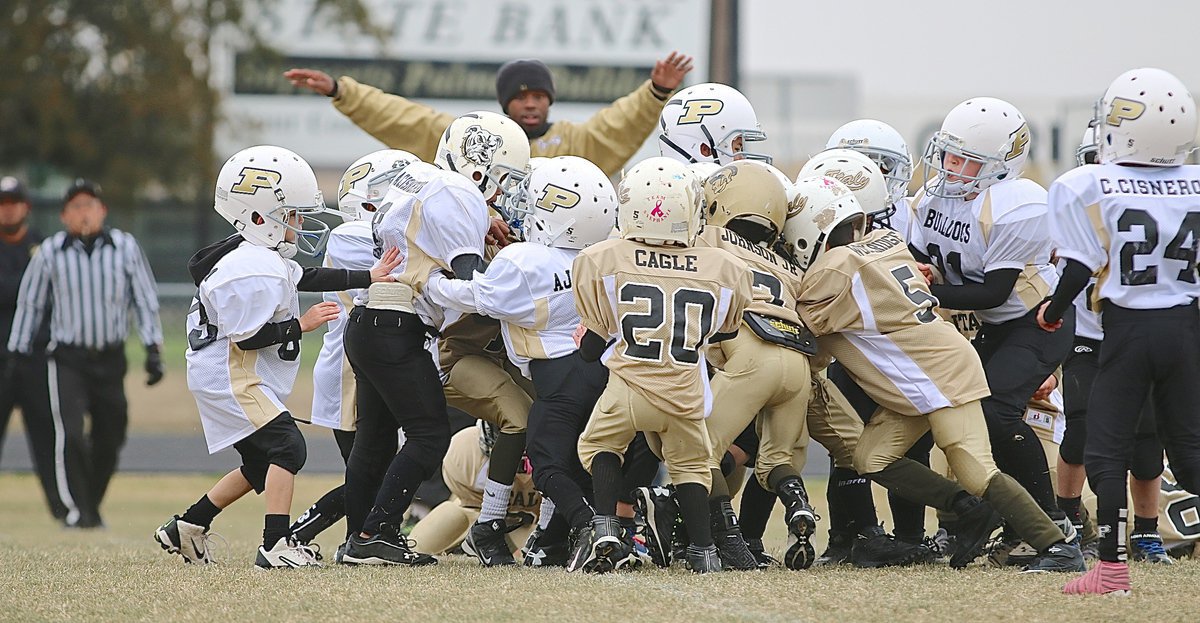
(543, 551)
(975, 526)
(385, 548)
(801, 522)
(659, 510)
(703, 559)
(727, 536)
(875, 548)
(599, 547)
(841, 545)
(487, 540)
(1058, 558)
(760, 554)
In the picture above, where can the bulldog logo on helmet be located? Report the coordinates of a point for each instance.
(479, 145)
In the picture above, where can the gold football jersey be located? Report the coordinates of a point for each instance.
(661, 305)
(776, 280)
(878, 319)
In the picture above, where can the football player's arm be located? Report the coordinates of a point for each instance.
(1017, 239)
(996, 287)
(595, 313)
(398, 122)
(332, 279)
(454, 224)
(456, 294)
(1077, 244)
(504, 293)
(240, 311)
(822, 303)
(32, 297)
(612, 135)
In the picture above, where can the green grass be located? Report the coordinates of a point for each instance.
(120, 574)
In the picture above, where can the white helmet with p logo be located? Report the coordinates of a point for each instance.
(259, 189)
(1147, 116)
(712, 116)
(569, 202)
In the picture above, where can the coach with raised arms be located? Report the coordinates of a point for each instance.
(525, 90)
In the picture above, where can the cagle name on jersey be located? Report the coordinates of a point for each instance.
(1127, 186)
(775, 260)
(957, 231)
(664, 260)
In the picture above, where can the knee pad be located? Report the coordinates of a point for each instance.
(1071, 448)
(1147, 461)
(1187, 475)
(289, 452)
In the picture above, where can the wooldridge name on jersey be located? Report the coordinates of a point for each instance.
(775, 260)
(668, 261)
(1126, 186)
(957, 231)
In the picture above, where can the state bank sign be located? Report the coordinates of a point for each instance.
(445, 54)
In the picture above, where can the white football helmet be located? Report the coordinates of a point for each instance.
(703, 169)
(570, 202)
(826, 203)
(883, 144)
(710, 114)
(258, 191)
(1088, 151)
(789, 188)
(746, 191)
(983, 130)
(1147, 116)
(858, 172)
(490, 149)
(365, 183)
(658, 202)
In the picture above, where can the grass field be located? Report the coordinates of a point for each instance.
(120, 574)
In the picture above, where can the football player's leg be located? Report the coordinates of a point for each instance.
(1079, 370)
(1176, 395)
(1019, 358)
(601, 447)
(739, 392)
(1146, 471)
(443, 529)
(331, 507)
(685, 449)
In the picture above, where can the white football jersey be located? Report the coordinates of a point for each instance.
(350, 246)
(528, 288)
(434, 216)
(1087, 314)
(1004, 227)
(901, 220)
(1136, 228)
(238, 391)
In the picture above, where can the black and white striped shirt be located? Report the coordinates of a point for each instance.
(92, 293)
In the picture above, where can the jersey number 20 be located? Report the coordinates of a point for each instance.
(669, 311)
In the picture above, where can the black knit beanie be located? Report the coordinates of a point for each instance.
(525, 74)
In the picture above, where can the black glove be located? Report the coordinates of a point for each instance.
(154, 365)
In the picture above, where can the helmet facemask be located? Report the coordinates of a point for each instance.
(991, 169)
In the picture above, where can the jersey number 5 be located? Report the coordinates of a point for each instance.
(665, 311)
(924, 301)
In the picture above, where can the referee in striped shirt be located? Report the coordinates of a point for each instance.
(95, 276)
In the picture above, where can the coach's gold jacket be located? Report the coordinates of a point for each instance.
(608, 139)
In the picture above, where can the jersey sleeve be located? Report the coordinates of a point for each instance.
(612, 135)
(454, 223)
(240, 308)
(1072, 230)
(455, 294)
(396, 121)
(822, 301)
(503, 293)
(1018, 238)
(591, 299)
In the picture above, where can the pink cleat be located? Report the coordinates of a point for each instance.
(1106, 578)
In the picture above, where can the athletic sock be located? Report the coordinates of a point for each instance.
(495, 501)
(1145, 524)
(545, 513)
(201, 513)
(275, 527)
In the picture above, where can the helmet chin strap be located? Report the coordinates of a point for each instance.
(679, 150)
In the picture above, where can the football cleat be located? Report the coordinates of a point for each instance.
(385, 548)
(727, 536)
(874, 548)
(1148, 547)
(186, 539)
(599, 547)
(841, 545)
(1058, 558)
(1009, 550)
(975, 527)
(659, 510)
(797, 513)
(1106, 578)
(541, 551)
(760, 554)
(703, 559)
(942, 543)
(639, 555)
(287, 553)
(486, 540)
